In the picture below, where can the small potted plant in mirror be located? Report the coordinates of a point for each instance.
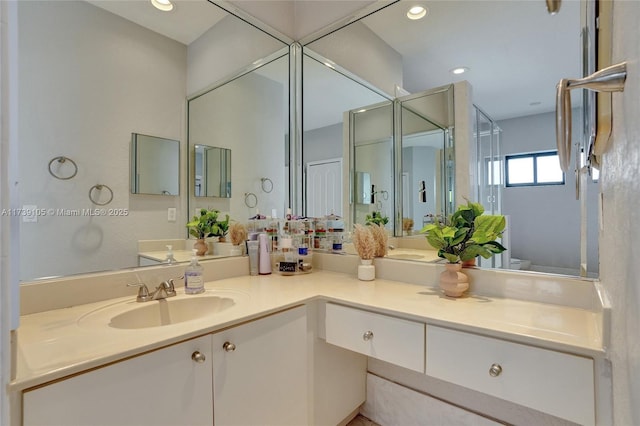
(202, 227)
(463, 236)
(220, 228)
(376, 218)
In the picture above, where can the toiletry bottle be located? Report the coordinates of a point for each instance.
(193, 280)
(252, 248)
(264, 267)
(170, 259)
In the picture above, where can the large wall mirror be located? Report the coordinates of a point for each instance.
(503, 47)
(118, 67)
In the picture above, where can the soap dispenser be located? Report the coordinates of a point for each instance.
(193, 280)
(170, 260)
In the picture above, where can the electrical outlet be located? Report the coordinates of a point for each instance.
(171, 214)
(29, 214)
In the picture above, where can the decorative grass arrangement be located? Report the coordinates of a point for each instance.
(380, 238)
(237, 233)
(364, 242)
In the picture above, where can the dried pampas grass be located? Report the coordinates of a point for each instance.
(237, 233)
(364, 242)
(381, 238)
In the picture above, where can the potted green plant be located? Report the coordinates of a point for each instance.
(376, 218)
(202, 227)
(466, 234)
(220, 229)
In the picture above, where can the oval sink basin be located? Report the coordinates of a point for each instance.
(129, 315)
(167, 311)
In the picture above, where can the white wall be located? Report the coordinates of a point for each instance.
(87, 80)
(324, 143)
(225, 48)
(546, 219)
(357, 49)
(619, 266)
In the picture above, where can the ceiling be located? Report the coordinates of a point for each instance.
(515, 51)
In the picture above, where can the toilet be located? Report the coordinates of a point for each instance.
(520, 264)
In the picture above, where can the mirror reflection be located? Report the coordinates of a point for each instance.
(249, 113)
(155, 165)
(514, 90)
(371, 129)
(212, 172)
(427, 181)
(131, 73)
(329, 94)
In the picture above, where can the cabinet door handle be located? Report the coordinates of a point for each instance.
(229, 347)
(495, 370)
(367, 336)
(198, 357)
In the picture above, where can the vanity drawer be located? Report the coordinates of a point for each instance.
(552, 382)
(395, 340)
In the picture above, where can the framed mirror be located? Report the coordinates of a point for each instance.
(212, 170)
(155, 165)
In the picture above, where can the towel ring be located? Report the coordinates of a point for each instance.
(270, 184)
(62, 159)
(248, 197)
(99, 187)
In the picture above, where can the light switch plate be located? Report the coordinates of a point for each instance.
(171, 214)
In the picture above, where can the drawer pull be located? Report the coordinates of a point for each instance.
(229, 347)
(198, 357)
(495, 370)
(367, 336)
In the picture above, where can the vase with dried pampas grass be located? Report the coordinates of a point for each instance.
(381, 239)
(238, 235)
(365, 245)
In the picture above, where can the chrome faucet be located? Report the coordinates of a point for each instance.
(164, 290)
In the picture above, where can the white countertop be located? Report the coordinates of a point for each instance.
(55, 344)
(178, 255)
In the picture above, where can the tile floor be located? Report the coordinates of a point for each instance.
(360, 420)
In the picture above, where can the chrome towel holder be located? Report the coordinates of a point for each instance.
(610, 79)
(100, 187)
(61, 160)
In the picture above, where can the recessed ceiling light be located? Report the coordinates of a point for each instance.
(163, 5)
(459, 70)
(417, 12)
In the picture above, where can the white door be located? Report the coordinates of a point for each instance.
(324, 188)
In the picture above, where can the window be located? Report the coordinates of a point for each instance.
(534, 169)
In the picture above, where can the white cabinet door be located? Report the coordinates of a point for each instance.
(164, 387)
(260, 373)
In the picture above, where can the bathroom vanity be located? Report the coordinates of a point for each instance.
(294, 349)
